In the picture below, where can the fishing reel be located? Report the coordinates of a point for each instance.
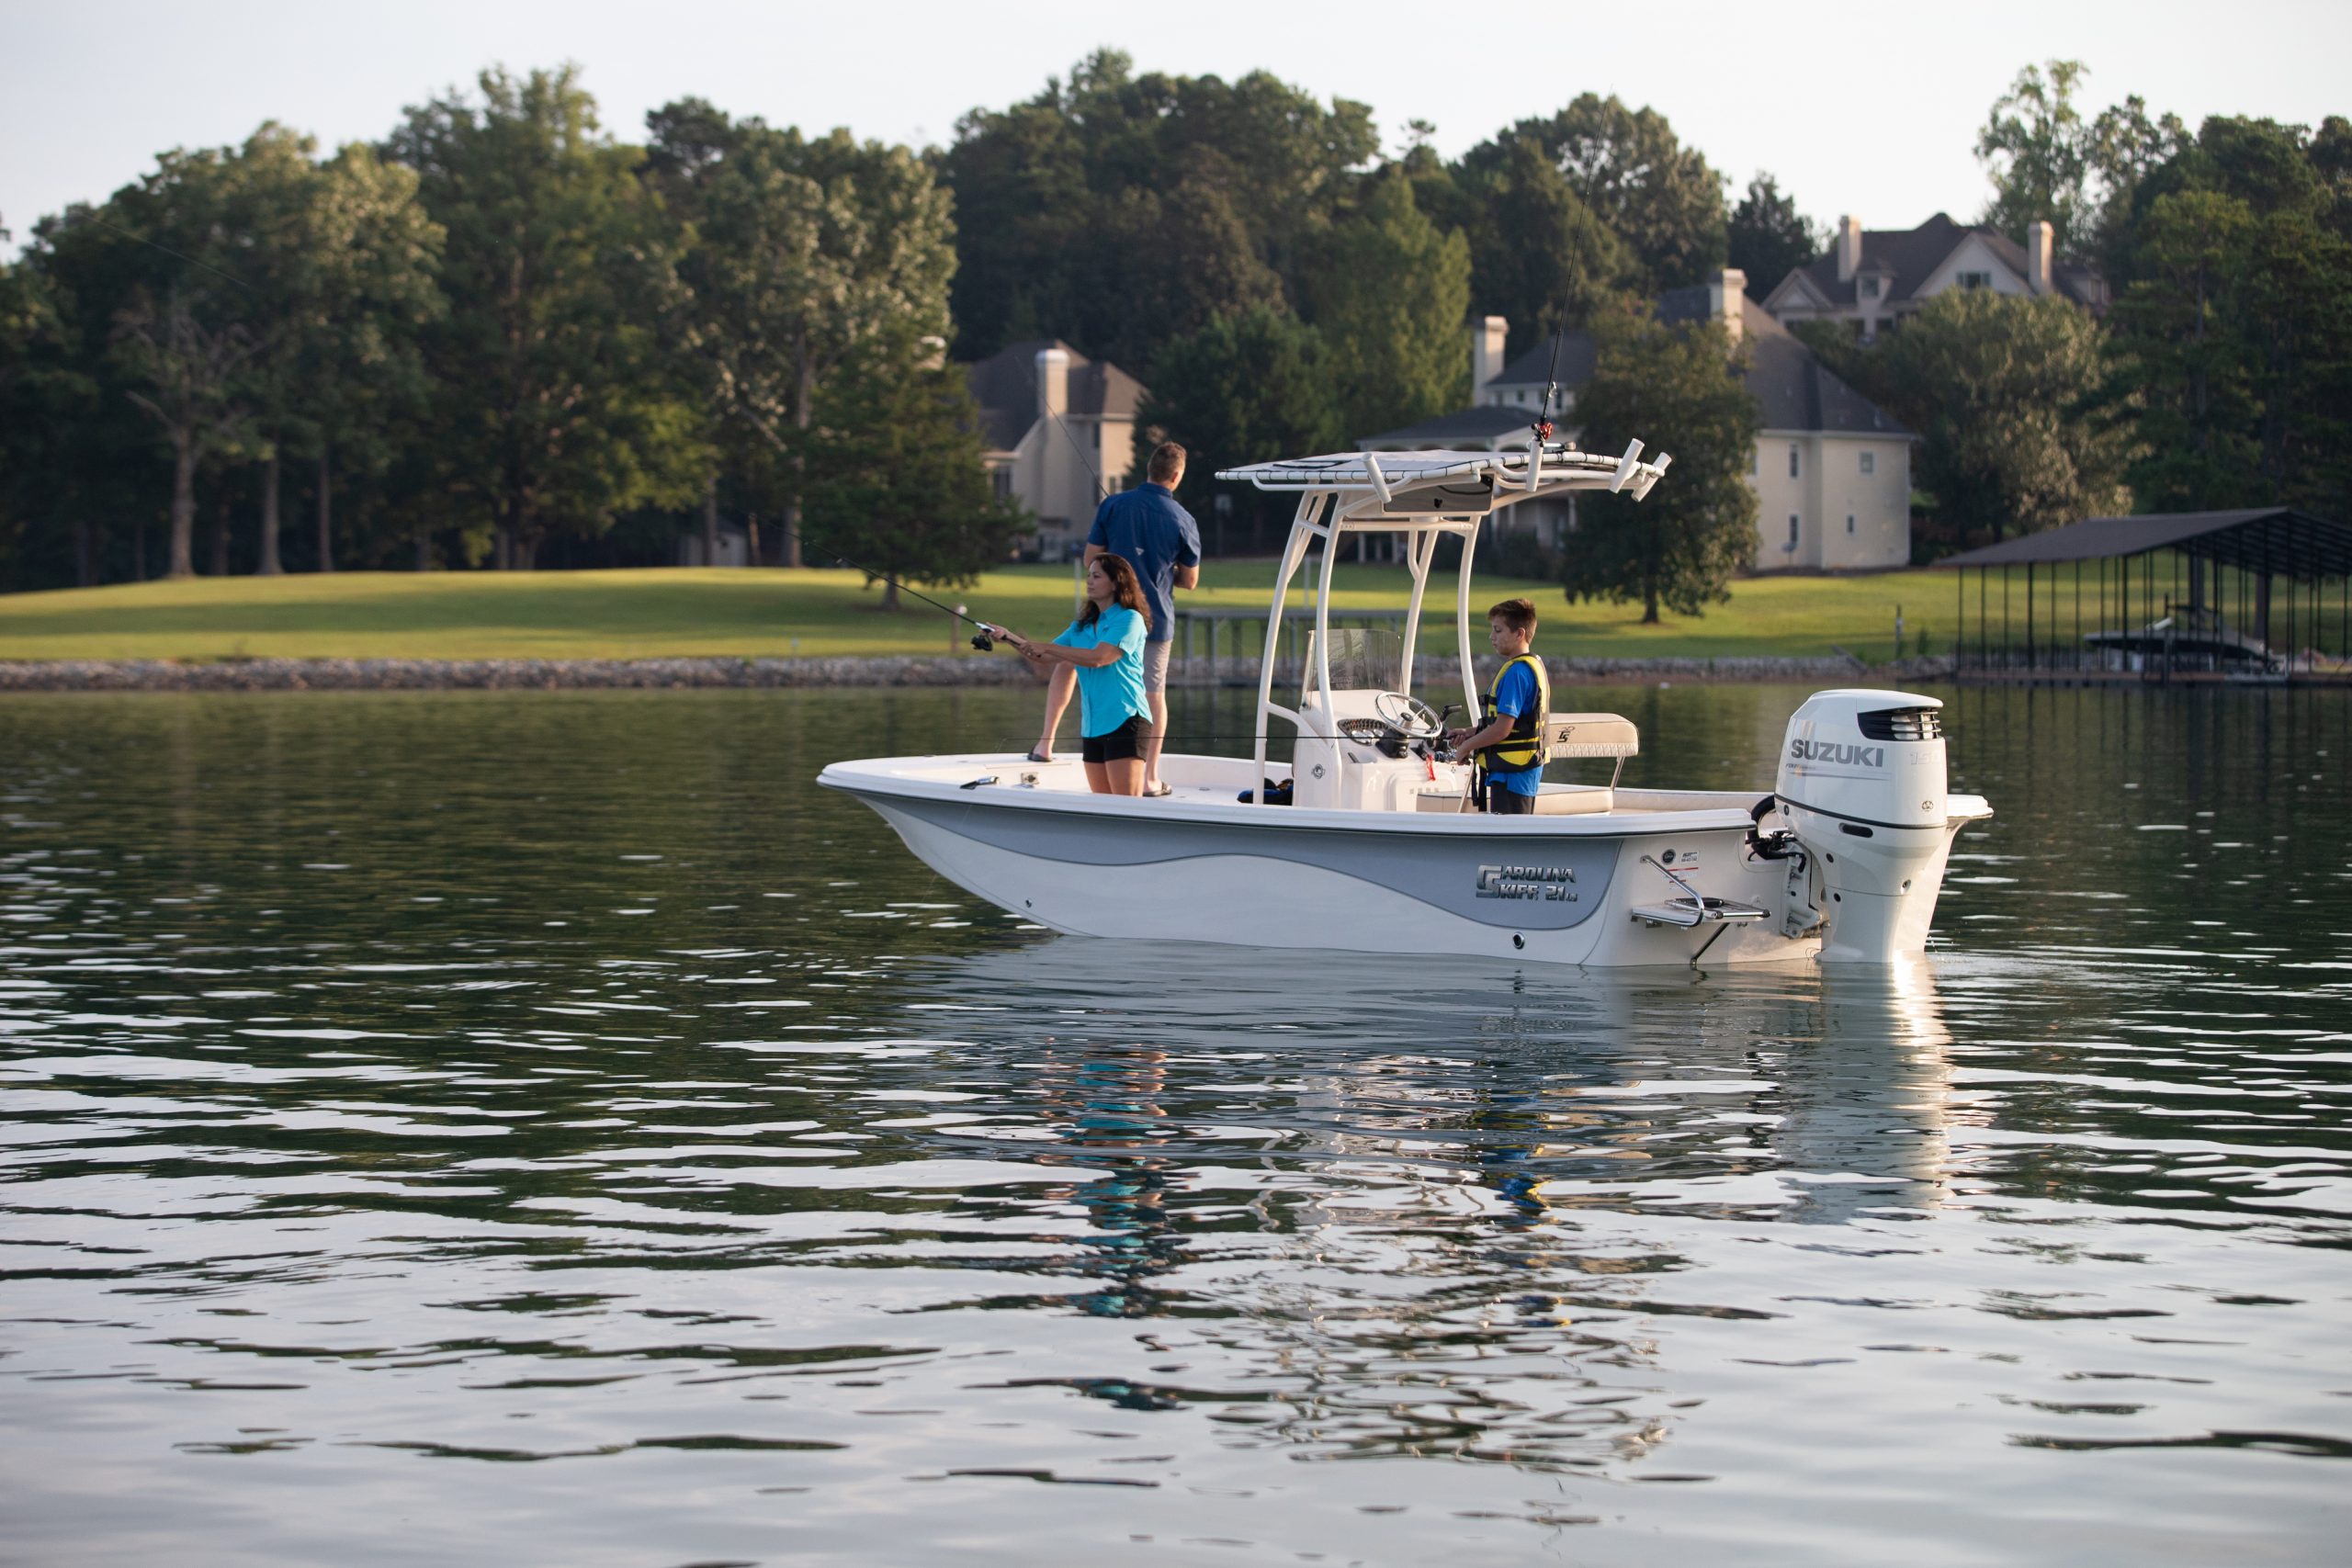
(982, 642)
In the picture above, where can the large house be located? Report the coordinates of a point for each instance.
(1832, 471)
(1872, 278)
(1057, 428)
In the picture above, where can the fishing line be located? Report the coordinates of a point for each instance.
(142, 239)
(1102, 493)
(886, 577)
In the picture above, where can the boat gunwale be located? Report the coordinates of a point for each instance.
(846, 777)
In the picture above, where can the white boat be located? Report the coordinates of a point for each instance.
(1377, 849)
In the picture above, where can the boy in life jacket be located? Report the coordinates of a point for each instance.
(1509, 743)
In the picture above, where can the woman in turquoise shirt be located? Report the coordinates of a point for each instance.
(1106, 644)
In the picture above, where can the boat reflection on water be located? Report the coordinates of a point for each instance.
(1548, 1087)
(1427, 1208)
(1868, 1092)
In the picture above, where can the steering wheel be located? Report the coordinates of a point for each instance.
(1408, 716)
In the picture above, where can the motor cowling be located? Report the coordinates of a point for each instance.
(1862, 785)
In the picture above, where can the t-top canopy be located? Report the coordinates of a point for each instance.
(1453, 483)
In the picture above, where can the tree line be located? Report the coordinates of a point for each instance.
(503, 337)
(499, 336)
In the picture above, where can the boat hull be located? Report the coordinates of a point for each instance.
(1207, 869)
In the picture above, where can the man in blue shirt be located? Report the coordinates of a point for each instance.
(1161, 541)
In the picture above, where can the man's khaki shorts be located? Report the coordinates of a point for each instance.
(1155, 665)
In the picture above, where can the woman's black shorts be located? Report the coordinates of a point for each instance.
(1114, 746)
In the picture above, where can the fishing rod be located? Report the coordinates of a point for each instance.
(1543, 426)
(985, 641)
(1551, 386)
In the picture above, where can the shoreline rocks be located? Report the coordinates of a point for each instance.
(968, 670)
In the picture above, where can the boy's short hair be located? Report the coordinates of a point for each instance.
(1166, 462)
(1519, 615)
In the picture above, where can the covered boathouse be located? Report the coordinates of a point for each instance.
(2262, 594)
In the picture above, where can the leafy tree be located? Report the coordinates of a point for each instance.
(2183, 353)
(2035, 147)
(1657, 196)
(1122, 211)
(1678, 388)
(2008, 396)
(2126, 147)
(358, 384)
(800, 252)
(2232, 325)
(1769, 238)
(1389, 298)
(186, 326)
(895, 479)
(1243, 388)
(340, 262)
(75, 456)
(551, 409)
(2047, 162)
(1539, 255)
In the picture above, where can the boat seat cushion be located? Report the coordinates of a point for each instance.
(1573, 800)
(1591, 735)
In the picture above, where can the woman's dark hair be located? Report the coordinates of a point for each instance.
(1126, 591)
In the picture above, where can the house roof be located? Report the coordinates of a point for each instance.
(1577, 351)
(1005, 386)
(2274, 539)
(1910, 256)
(1793, 389)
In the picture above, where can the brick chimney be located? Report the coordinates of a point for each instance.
(2040, 240)
(1849, 248)
(1053, 382)
(1488, 334)
(1726, 300)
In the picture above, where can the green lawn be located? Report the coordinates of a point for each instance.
(645, 613)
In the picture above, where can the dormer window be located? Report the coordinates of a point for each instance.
(1870, 287)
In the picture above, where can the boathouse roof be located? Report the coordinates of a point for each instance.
(2276, 540)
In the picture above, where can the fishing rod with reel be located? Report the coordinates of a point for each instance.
(984, 639)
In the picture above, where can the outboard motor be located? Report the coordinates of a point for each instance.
(1861, 785)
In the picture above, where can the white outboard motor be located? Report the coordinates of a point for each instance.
(1863, 786)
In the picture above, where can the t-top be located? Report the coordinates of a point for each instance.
(1108, 697)
(1515, 695)
(1155, 535)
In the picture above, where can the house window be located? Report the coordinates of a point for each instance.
(1000, 481)
(1850, 521)
(1793, 466)
(1972, 280)
(1870, 289)
(1792, 533)
(1870, 463)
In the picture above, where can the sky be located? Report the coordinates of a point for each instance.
(1871, 111)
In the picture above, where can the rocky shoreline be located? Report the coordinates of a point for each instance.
(965, 670)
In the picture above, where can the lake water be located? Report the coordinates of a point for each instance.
(546, 1129)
